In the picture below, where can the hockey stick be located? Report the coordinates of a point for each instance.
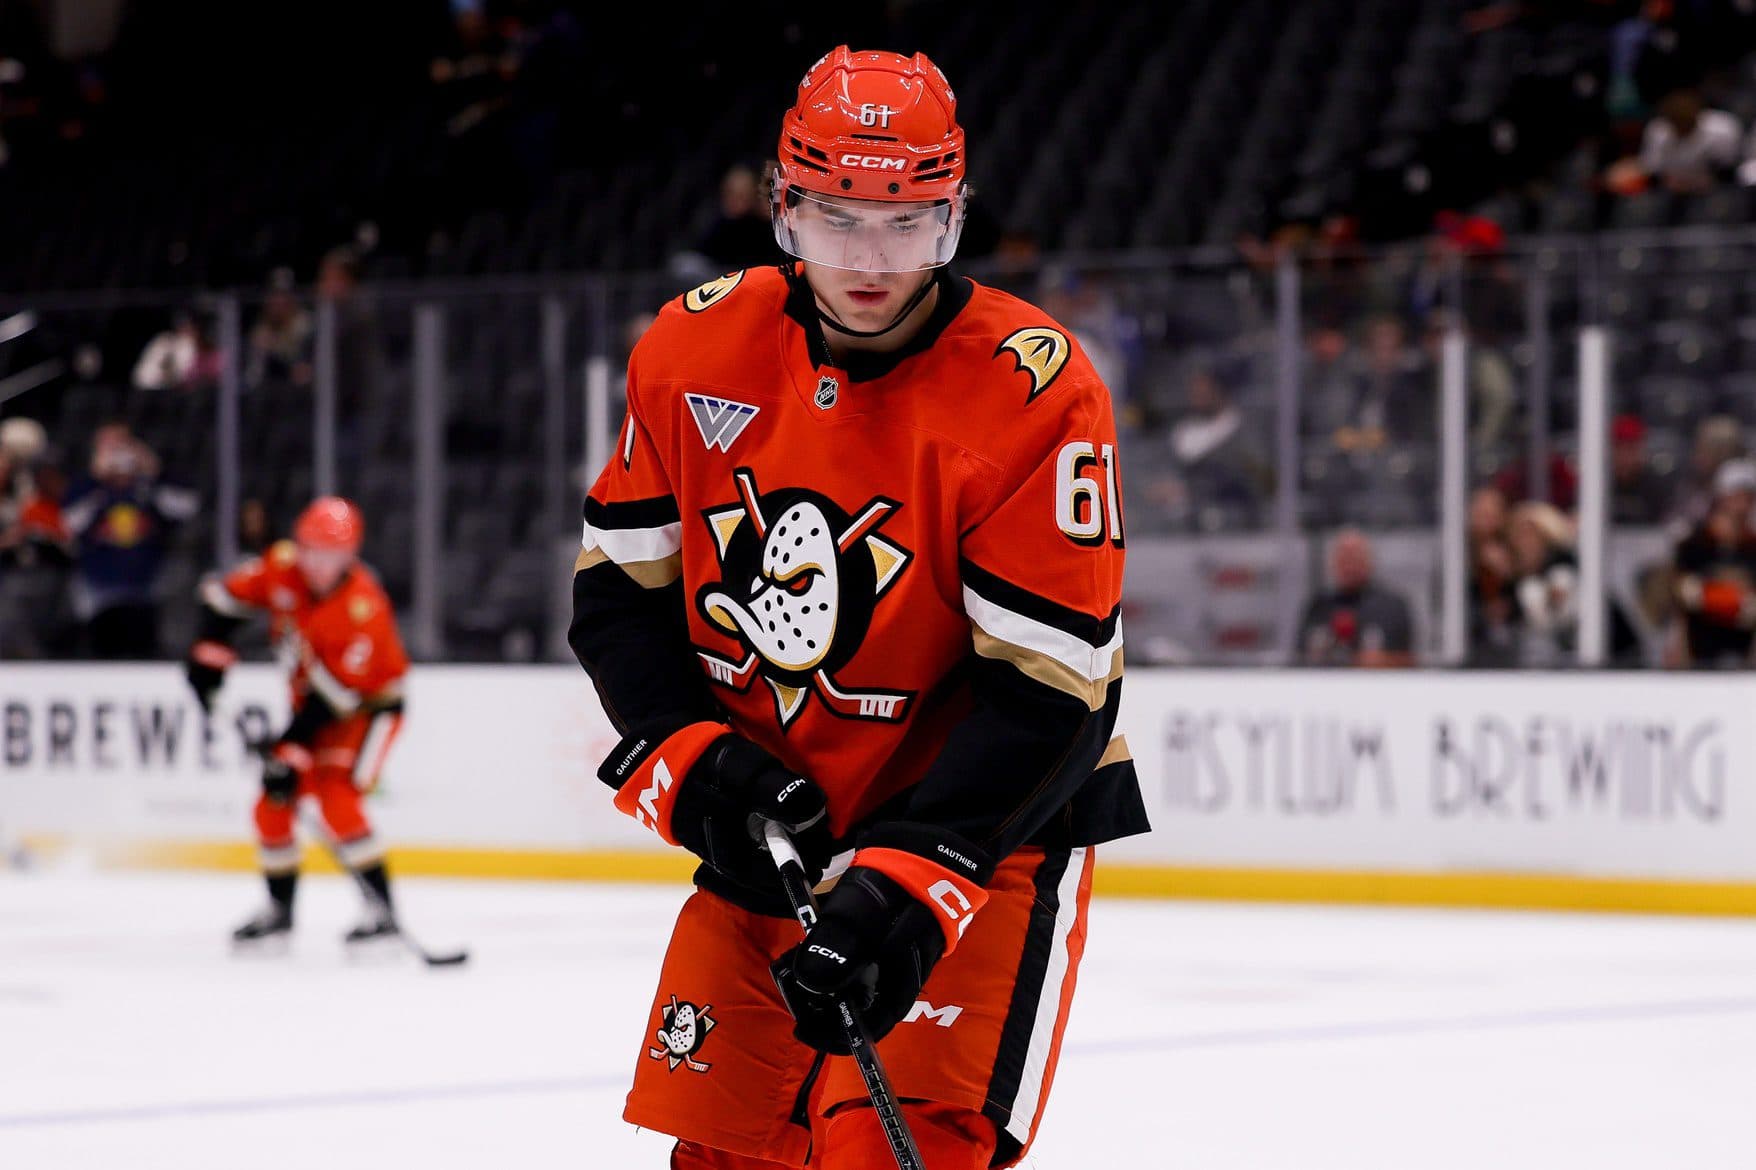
(261, 749)
(884, 1103)
(431, 958)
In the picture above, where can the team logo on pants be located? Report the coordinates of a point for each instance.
(800, 579)
(684, 1032)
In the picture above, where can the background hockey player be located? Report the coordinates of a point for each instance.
(336, 631)
(855, 567)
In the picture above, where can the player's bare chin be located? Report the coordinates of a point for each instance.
(949, 1137)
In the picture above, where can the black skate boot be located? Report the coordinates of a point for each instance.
(377, 927)
(270, 928)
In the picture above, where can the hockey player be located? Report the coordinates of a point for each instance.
(855, 567)
(335, 628)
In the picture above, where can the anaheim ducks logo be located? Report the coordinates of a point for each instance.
(711, 293)
(799, 581)
(685, 1030)
(1041, 353)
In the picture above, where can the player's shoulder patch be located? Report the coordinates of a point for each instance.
(706, 296)
(360, 608)
(1037, 351)
(282, 554)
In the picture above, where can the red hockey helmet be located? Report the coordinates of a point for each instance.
(330, 522)
(871, 129)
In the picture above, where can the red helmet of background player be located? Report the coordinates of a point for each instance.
(330, 522)
(881, 128)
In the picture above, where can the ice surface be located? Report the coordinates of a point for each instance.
(1203, 1036)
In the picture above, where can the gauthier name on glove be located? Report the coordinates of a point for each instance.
(939, 869)
(645, 769)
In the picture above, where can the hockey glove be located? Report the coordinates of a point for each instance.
(711, 791)
(280, 771)
(901, 906)
(286, 758)
(205, 668)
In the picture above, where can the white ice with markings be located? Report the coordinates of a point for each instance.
(1203, 1036)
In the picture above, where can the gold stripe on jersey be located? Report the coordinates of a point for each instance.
(1115, 753)
(648, 574)
(1049, 671)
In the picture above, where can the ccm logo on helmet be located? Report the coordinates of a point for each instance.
(873, 162)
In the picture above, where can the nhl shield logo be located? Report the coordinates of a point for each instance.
(828, 389)
(684, 1031)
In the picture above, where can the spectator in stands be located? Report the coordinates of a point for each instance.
(1391, 396)
(1109, 336)
(255, 533)
(182, 357)
(1718, 439)
(1687, 148)
(1545, 581)
(741, 236)
(168, 358)
(1672, 55)
(1494, 614)
(1219, 474)
(1492, 387)
(1715, 577)
(1622, 98)
(120, 519)
(34, 548)
(1514, 480)
(279, 346)
(1638, 493)
(1546, 584)
(358, 352)
(1356, 621)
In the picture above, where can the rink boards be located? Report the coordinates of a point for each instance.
(1607, 791)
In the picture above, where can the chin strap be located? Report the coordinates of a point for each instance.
(829, 319)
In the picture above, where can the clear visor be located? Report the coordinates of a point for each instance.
(323, 564)
(866, 236)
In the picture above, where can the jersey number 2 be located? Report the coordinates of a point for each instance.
(1087, 511)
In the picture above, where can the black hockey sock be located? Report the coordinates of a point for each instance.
(378, 880)
(281, 887)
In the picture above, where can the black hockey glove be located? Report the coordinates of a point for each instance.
(280, 771)
(900, 907)
(205, 668)
(284, 759)
(711, 791)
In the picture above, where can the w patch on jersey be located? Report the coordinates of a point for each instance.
(719, 420)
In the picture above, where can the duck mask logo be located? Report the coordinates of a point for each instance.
(799, 582)
(683, 1029)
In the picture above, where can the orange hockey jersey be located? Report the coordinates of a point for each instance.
(343, 645)
(902, 576)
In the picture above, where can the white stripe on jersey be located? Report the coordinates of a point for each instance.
(1090, 663)
(632, 546)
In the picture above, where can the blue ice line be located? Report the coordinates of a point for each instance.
(1244, 1037)
(1536, 1018)
(402, 1096)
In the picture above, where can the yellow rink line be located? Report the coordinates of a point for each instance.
(1122, 879)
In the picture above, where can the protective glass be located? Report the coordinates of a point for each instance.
(864, 236)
